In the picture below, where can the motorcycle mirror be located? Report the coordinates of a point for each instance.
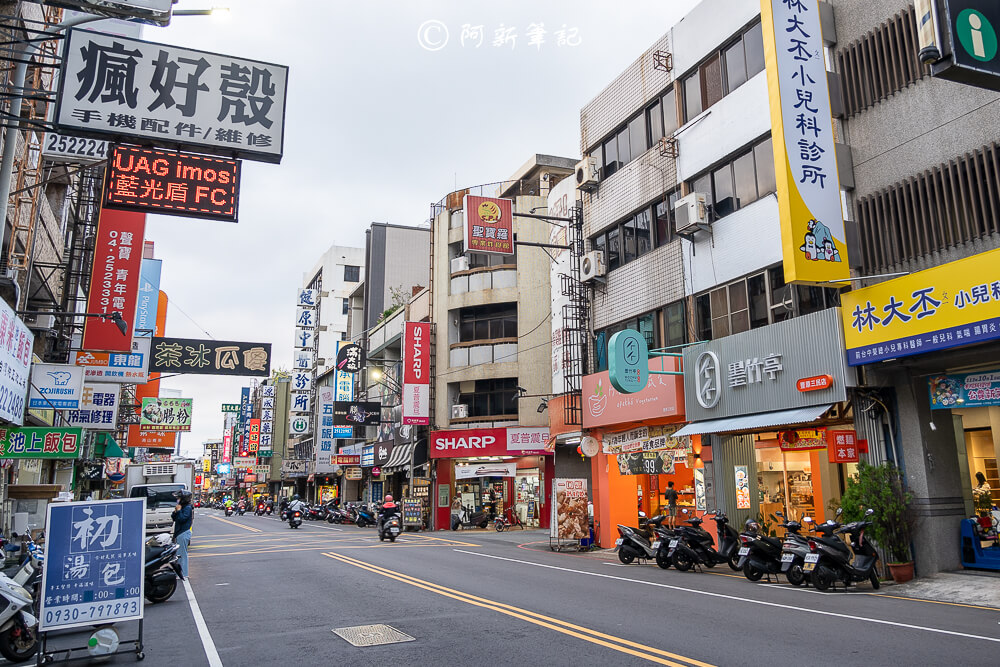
(840, 510)
(869, 512)
(807, 519)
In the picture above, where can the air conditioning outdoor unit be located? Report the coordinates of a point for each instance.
(460, 263)
(592, 266)
(460, 411)
(41, 322)
(588, 176)
(691, 213)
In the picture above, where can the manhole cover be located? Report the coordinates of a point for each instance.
(372, 635)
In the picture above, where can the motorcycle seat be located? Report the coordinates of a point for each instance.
(695, 522)
(773, 541)
(154, 552)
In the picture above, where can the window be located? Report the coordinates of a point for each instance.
(637, 135)
(736, 66)
(711, 81)
(624, 147)
(488, 323)
(614, 257)
(703, 320)
(739, 182)
(664, 214)
(352, 274)
(346, 305)
(643, 233)
(668, 104)
(753, 45)
(611, 162)
(757, 291)
(674, 326)
(691, 86)
(495, 397)
(723, 72)
(654, 121)
(628, 240)
(644, 324)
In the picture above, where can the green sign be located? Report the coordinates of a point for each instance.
(230, 407)
(41, 443)
(628, 361)
(976, 35)
(165, 414)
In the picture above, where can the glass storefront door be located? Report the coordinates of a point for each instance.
(785, 482)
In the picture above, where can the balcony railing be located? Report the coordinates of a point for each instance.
(484, 278)
(472, 353)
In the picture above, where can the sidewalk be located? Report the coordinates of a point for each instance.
(972, 587)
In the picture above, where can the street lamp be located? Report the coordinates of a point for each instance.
(115, 317)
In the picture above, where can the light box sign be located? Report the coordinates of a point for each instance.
(172, 183)
(128, 90)
(55, 387)
(98, 407)
(165, 414)
(114, 279)
(209, 357)
(148, 302)
(967, 390)
(814, 246)
(416, 373)
(489, 225)
(120, 367)
(343, 391)
(947, 306)
(16, 343)
(40, 443)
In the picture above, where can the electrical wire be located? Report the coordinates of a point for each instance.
(506, 356)
(175, 304)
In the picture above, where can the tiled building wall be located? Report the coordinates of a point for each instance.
(650, 282)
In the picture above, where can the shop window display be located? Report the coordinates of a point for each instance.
(785, 482)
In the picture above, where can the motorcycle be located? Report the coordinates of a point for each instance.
(760, 554)
(390, 527)
(162, 568)
(260, 509)
(229, 510)
(832, 558)
(364, 516)
(636, 543)
(18, 626)
(467, 518)
(693, 545)
(793, 552)
(294, 518)
(241, 510)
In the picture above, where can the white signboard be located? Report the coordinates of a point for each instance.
(16, 341)
(60, 148)
(308, 298)
(302, 382)
(98, 407)
(298, 425)
(485, 469)
(300, 402)
(303, 360)
(129, 89)
(55, 387)
(120, 367)
(305, 317)
(304, 337)
(520, 439)
(324, 430)
(561, 199)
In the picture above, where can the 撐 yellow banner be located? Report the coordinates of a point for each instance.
(949, 305)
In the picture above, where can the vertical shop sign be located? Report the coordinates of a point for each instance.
(569, 519)
(227, 446)
(842, 446)
(253, 437)
(742, 488)
(16, 342)
(343, 391)
(416, 373)
(814, 246)
(114, 279)
(148, 301)
(325, 450)
(489, 225)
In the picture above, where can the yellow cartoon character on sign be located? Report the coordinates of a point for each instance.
(489, 212)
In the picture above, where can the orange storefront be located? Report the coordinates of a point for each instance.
(637, 455)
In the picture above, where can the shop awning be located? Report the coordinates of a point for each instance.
(399, 458)
(755, 422)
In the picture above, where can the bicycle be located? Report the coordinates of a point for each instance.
(502, 522)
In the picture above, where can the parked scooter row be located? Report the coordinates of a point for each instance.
(821, 560)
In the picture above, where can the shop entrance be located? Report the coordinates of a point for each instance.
(785, 482)
(981, 430)
(526, 494)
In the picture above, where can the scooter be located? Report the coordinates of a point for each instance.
(260, 509)
(760, 554)
(241, 510)
(18, 627)
(162, 568)
(364, 516)
(294, 518)
(793, 552)
(229, 510)
(694, 546)
(636, 543)
(390, 527)
(467, 518)
(831, 558)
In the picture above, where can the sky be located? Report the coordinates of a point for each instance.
(387, 111)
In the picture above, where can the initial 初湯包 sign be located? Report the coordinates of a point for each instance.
(209, 357)
(172, 183)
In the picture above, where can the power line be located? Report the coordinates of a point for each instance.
(174, 303)
(506, 356)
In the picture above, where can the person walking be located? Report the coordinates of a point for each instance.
(183, 517)
(456, 510)
(670, 495)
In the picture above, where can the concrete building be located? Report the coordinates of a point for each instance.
(336, 274)
(397, 263)
(490, 338)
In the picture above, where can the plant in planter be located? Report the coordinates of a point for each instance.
(881, 488)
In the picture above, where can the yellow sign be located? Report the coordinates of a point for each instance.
(950, 305)
(206, 465)
(814, 246)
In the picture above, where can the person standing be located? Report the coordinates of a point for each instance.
(456, 510)
(982, 495)
(183, 517)
(670, 495)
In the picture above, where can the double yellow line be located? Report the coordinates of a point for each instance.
(586, 634)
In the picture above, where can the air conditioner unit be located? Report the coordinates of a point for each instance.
(40, 322)
(460, 263)
(691, 213)
(592, 266)
(588, 176)
(460, 411)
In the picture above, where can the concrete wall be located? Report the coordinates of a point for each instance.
(331, 266)
(706, 27)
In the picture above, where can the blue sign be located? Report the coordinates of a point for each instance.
(969, 390)
(368, 456)
(93, 571)
(223, 468)
(147, 304)
(628, 361)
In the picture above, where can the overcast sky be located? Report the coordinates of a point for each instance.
(379, 124)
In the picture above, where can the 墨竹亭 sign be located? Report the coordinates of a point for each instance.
(628, 361)
(209, 357)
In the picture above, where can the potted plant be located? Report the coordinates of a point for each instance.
(880, 487)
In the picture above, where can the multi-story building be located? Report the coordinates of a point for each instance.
(491, 337)
(396, 265)
(336, 274)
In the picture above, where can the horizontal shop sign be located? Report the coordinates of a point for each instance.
(815, 383)
(800, 440)
(460, 443)
(40, 443)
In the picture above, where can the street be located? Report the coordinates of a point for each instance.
(269, 595)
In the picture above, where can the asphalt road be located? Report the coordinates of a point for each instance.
(270, 595)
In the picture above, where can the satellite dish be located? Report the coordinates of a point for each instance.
(590, 446)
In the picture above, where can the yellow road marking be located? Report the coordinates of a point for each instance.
(238, 525)
(594, 637)
(950, 604)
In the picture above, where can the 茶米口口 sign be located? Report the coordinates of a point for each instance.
(489, 225)
(416, 373)
(114, 279)
(129, 89)
(949, 305)
(814, 245)
(93, 570)
(209, 357)
(968, 390)
(119, 367)
(158, 181)
(40, 443)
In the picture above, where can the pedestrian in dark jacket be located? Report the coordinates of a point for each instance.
(183, 517)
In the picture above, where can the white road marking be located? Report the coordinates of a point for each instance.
(206, 637)
(223, 584)
(737, 598)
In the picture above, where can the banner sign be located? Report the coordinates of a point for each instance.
(643, 439)
(114, 279)
(93, 571)
(230, 407)
(489, 225)
(570, 519)
(842, 446)
(357, 413)
(152, 439)
(946, 306)
(129, 89)
(324, 429)
(416, 373)
(16, 343)
(40, 443)
(814, 245)
(647, 463)
(165, 414)
(171, 183)
(147, 305)
(55, 387)
(119, 367)
(968, 390)
(98, 407)
(742, 487)
(801, 440)
(209, 357)
(227, 446)
(485, 469)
